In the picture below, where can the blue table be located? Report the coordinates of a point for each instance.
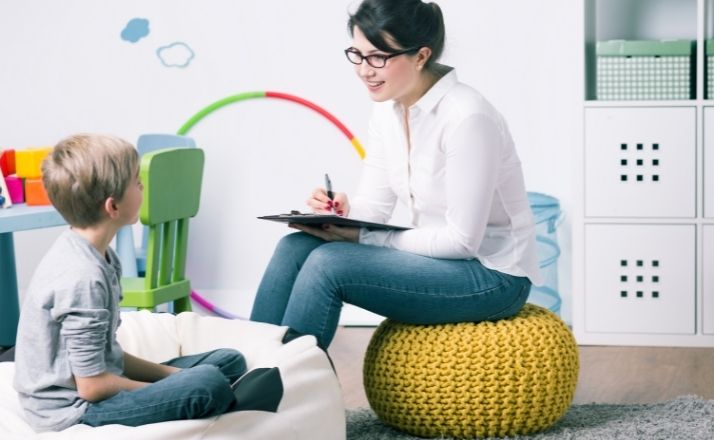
(18, 218)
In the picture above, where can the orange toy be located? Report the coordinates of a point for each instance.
(35, 193)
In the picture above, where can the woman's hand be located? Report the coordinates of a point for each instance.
(330, 232)
(321, 204)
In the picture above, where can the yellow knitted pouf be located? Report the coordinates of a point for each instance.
(511, 377)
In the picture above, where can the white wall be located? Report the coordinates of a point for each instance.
(65, 69)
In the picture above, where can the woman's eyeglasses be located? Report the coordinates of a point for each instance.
(375, 60)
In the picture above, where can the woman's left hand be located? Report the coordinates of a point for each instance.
(330, 232)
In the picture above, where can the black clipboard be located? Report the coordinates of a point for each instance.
(329, 219)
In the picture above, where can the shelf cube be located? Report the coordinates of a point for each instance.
(708, 159)
(640, 162)
(640, 278)
(708, 283)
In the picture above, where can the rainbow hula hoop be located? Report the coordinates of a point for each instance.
(195, 119)
(185, 128)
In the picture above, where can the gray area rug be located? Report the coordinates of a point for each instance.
(688, 417)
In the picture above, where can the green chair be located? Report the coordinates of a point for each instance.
(172, 192)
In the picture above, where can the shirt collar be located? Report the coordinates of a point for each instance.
(429, 100)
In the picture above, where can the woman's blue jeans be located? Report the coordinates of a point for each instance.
(201, 389)
(308, 279)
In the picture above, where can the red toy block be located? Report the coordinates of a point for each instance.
(35, 193)
(7, 162)
(14, 187)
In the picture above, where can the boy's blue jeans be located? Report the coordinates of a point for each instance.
(202, 389)
(308, 279)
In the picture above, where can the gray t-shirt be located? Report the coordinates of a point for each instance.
(67, 327)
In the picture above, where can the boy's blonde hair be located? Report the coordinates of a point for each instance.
(83, 170)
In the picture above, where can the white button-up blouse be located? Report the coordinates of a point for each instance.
(461, 180)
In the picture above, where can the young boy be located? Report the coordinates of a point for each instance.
(69, 367)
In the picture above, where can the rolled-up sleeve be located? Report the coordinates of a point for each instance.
(84, 327)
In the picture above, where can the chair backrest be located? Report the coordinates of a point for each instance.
(134, 260)
(172, 192)
(158, 141)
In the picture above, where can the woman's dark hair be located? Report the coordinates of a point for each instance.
(412, 24)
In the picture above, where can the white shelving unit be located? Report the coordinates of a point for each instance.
(643, 234)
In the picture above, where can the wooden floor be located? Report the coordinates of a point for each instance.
(607, 374)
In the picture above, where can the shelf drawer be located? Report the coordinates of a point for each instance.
(709, 161)
(640, 278)
(640, 162)
(708, 280)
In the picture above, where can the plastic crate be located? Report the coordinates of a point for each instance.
(645, 70)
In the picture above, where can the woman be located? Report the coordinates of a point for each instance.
(437, 146)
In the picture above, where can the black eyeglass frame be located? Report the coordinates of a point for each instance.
(352, 50)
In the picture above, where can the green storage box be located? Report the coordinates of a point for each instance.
(645, 70)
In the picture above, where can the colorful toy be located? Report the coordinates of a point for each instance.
(14, 187)
(28, 162)
(35, 193)
(23, 176)
(185, 128)
(5, 200)
(7, 161)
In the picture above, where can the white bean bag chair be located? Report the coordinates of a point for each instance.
(311, 406)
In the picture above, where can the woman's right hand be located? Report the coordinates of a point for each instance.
(321, 204)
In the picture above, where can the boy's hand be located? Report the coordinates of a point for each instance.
(140, 369)
(171, 370)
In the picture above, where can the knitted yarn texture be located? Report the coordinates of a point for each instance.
(510, 377)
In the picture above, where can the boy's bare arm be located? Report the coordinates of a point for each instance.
(145, 371)
(104, 385)
(139, 373)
